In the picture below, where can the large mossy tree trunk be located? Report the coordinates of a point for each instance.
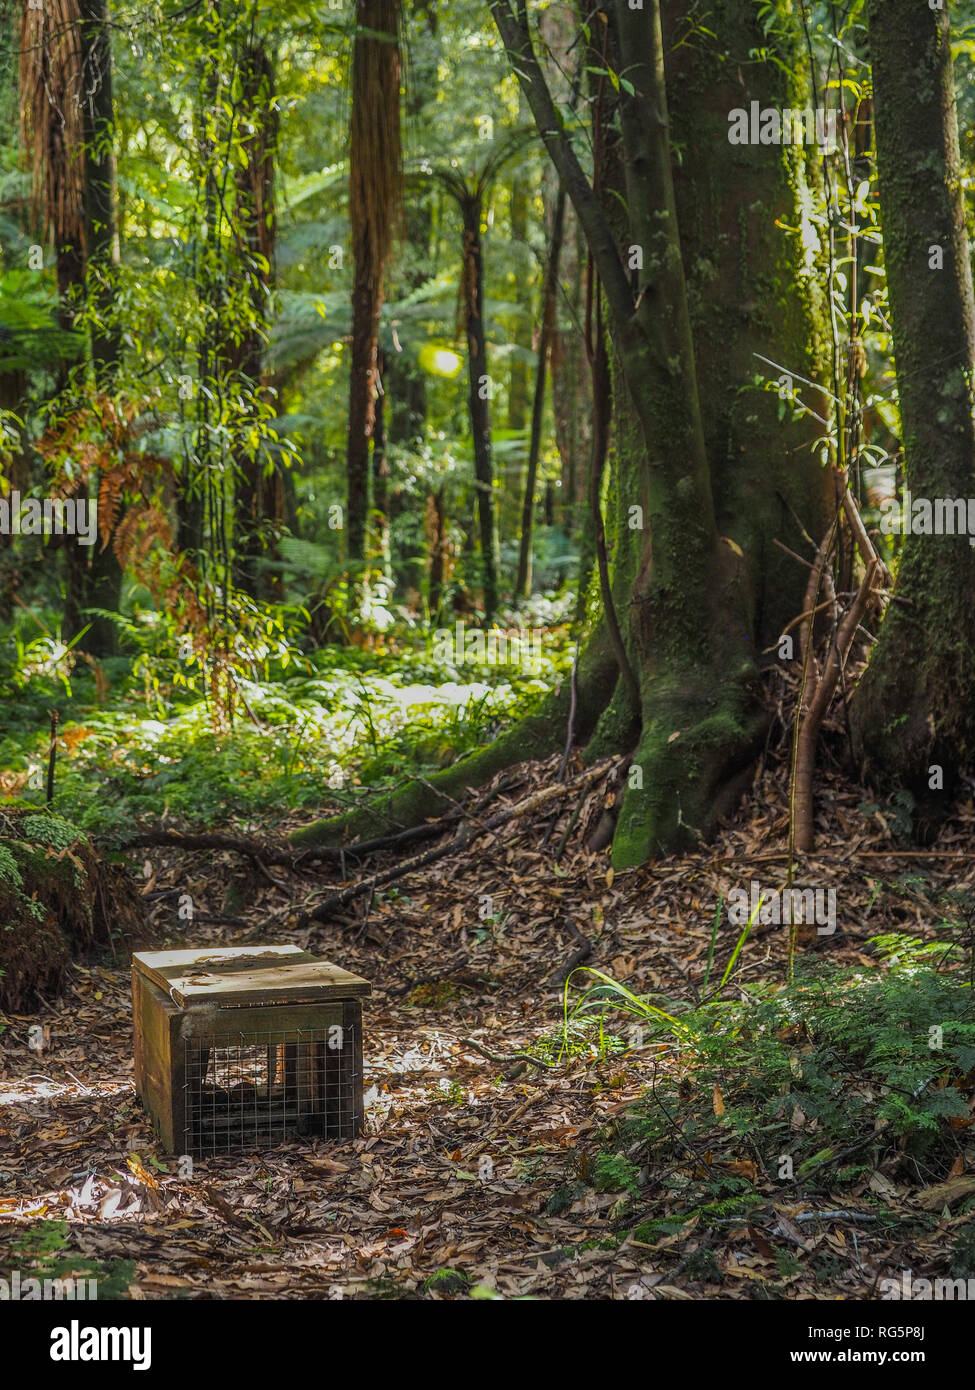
(757, 295)
(702, 471)
(696, 638)
(915, 706)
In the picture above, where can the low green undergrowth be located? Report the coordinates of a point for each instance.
(857, 1080)
(337, 722)
(44, 1252)
(833, 1073)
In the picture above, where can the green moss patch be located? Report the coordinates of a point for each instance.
(57, 900)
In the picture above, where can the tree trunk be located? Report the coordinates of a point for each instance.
(523, 586)
(365, 321)
(374, 185)
(913, 709)
(436, 533)
(571, 387)
(570, 378)
(755, 292)
(479, 400)
(404, 381)
(519, 377)
(101, 222)
(101, 577)
(191, 501)
(698, 453)
(258, 491)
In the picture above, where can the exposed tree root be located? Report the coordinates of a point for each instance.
(266, 852)
(695, 757)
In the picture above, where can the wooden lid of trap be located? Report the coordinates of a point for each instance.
(235, 975)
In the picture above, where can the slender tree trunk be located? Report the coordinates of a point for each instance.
(568, 369)
(914, 710)
(191, 503)
(523, 585)
(361, 410)
(571, 385)
(259, 492)
(404, 382)
(519, 378)
(374, 173)
(101, 220)
(102, 576)
(436, 530)
(479, 400)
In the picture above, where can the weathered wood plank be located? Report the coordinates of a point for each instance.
(248, 975)
(160, 1078)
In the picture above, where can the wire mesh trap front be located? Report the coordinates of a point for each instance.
(253, 1090)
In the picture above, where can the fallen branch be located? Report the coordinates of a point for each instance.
(464, 837)
(266, 853)
(453, 972)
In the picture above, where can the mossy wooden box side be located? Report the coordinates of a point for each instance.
(212, 1010)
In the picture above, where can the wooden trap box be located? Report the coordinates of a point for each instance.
(240, 1048)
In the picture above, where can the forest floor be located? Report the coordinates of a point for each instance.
(469, 1165)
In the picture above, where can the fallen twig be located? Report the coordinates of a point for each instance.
(562, 972)
(511, 1057)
